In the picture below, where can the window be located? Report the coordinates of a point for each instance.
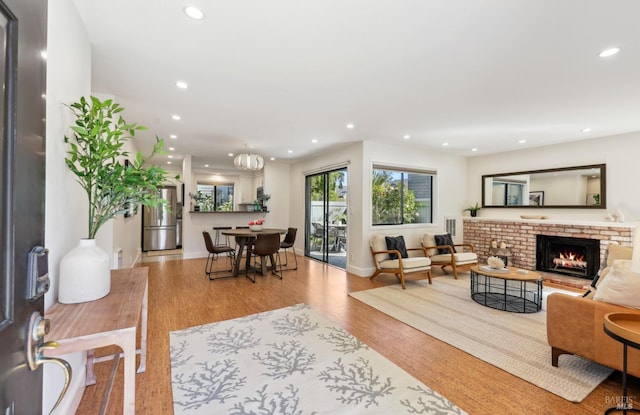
(507, 193)
(401, 196)
(216, 197)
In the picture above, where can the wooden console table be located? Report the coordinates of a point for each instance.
(111, 320)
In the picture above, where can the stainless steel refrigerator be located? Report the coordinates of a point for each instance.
(159, 223)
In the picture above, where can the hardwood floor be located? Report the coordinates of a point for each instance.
(180, 296)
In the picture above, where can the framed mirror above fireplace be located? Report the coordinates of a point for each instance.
(577, 187)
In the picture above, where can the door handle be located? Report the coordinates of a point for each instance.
(38, 328)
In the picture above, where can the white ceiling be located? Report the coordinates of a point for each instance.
(275, 74)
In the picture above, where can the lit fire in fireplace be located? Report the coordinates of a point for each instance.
(570, 260)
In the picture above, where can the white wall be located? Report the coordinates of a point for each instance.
(68, 78)
(359, 157)
(276, 178)
(66, 216)
(620, 153)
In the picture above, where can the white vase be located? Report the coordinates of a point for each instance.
(85, 273)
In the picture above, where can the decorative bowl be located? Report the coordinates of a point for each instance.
(255, 227)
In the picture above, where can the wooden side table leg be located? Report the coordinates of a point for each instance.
(127, 342)
(90, 376)
(143, 330)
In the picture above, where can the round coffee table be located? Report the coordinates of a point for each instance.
(510, 289)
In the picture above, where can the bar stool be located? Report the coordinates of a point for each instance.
(216, 243)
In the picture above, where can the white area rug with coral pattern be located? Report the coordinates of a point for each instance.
(289, 361)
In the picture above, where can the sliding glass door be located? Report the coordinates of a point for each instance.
(326, 217)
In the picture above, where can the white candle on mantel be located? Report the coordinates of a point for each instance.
(635, 259)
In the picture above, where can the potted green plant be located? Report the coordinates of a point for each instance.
(199, 198)
(473, 209)
(97, 156)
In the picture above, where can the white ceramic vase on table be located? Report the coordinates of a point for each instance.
(85, 273)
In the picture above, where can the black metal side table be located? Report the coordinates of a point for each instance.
(625, 328)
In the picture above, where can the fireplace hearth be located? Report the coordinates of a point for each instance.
(577, 257)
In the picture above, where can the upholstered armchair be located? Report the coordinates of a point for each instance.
(394, 261)
(448, 254)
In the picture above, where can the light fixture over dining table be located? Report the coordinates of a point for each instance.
(249, 161)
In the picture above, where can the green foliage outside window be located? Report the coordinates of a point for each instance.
(393, 202)
(336, 182)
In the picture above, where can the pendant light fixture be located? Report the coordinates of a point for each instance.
(249, 161)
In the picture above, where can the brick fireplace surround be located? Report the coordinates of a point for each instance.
(520, 235)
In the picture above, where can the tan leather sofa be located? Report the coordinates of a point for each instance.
(575, 325)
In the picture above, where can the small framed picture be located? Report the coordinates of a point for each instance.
(536, 198)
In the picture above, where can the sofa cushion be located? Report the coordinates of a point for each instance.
(621, 286)
(396, 242)
(444, 239)
(613, 252)
(461, 258)
(378, 243)
(408, 264)
(428, 239)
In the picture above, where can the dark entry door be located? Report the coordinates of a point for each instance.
(22, 129)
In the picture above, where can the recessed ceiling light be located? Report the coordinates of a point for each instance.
(172, 148)
(170, 156)
(182, 85)
(206, 165)
(315, 140)
(445, 144)
(272, 158)
(609, 52)
(586, 130)
(173, 136)
(43, 54)
(522, 141)
(289, 151)
(230, 154)
(406, 136)
(474, 149)
(351, 126)
(175, 117)
(194, 12)
(168, 162)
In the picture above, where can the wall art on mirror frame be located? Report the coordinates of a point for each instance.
(536, 198)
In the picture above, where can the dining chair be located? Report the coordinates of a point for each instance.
(216, 241)
(214, 250)
(287, 243)
(265, 245)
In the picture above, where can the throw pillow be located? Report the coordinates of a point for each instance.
(397, 242)
(445, 240)
(614, 251)
(621, 287)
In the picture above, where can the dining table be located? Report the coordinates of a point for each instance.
(244, 237)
